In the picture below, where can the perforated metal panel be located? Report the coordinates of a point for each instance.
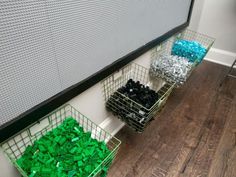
(48, 45)
(28, 68)
(89, 35)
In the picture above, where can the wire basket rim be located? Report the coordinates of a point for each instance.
(202, 34)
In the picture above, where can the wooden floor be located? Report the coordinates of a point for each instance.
(195, 135)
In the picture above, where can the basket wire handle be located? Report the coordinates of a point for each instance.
(117, 75)
(39, 126)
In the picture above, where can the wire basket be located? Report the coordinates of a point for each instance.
(166, 48)
(135, 115)
(16, 145)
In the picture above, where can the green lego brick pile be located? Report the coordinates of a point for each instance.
(66, 151)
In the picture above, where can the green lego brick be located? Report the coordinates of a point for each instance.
(50, 160)
(35, 169)
(75, 139)
(62, 141)
(88, 168)
(71, 173)
(32, 174)
(77, 158)
(43, 148)
(80, 163)
(45, 170)
(73, 150)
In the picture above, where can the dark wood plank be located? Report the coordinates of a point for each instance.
(186, 137)
(224, 160)
(209, 136)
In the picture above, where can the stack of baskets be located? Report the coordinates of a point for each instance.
(172, 63)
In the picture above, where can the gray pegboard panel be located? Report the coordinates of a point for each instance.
(49, 45)
(90, 35)
(28, 68)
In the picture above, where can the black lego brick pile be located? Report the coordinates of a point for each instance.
(131, 103)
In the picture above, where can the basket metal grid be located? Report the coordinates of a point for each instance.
(166, 48)
(135, 115)
(190, 35)
(15, 146)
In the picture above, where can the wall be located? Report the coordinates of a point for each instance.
(196, 14)
(217, 19)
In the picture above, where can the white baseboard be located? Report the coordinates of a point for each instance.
(112, 125)
(219, 56)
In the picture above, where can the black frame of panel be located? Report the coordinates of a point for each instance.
(34, 114)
